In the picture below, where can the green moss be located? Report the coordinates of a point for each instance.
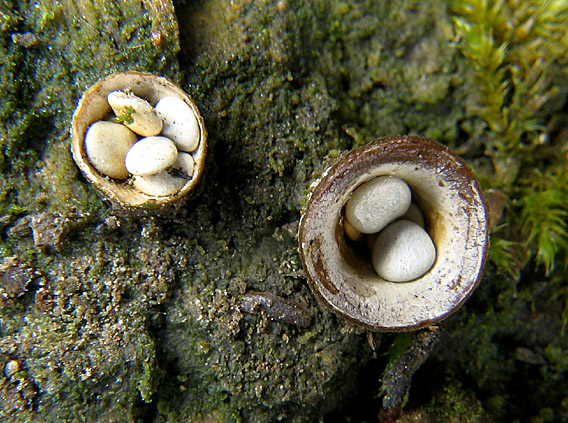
(454, 404)
(543, 218)
(517, 56)
(501, 339)
(516, 52)
(502, 253)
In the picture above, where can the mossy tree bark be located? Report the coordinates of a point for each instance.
(109, 315)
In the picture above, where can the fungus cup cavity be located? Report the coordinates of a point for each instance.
(133, 96)
(340, 271)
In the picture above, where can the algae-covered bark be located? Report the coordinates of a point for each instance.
(108, 315)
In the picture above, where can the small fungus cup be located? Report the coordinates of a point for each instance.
(339, 267)
(103, 136)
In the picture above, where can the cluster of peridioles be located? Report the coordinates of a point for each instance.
(151, 144)
(139, 139)
(381, 209)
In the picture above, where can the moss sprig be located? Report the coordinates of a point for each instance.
(544, 214)
(518, 51)
(487, 58)
(502, 253)
(514, 48)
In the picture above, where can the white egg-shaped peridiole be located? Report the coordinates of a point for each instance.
(376, 203)
(106, 144)
(414, 214)
(135, 112)
(168, 182)
(184, 165)
(160, 185)
(150, 156)
(180, 123)
(403, 251)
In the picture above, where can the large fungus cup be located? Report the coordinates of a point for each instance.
(339, 271)
(94, 107)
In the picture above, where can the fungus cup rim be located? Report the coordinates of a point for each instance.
(93, 107)
(446, 190)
